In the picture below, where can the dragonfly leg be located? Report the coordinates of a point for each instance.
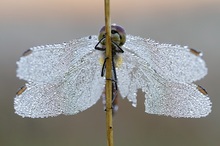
(97, 45)
(117, 46)
(114, 74)
(114, 89)
(103, 67)
(114, 79)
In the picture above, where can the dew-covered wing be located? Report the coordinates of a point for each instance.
(177, 100)
(39, 101)
(172, 62)
(78, 88)
(163, 97)
(46, 64)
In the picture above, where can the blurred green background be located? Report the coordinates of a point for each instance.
(27, 23)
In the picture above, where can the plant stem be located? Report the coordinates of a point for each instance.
(108, 86)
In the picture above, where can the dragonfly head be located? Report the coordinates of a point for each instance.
(118, 34)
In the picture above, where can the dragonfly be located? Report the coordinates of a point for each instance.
(65, 78)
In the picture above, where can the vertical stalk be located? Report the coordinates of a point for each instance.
(109, 126)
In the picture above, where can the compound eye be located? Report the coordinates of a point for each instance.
(119, 30)
(114, 31)
(101, 33)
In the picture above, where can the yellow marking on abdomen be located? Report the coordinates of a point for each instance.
(118, 61)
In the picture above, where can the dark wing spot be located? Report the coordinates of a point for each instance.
(202, 90)
(195, 52)
(27, 52)
(21, 90)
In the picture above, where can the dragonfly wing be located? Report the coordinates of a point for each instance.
(124, 77)
(39, 101)
(177, 100)
(83, 84)
(46, 64)
(79, 87)
(163, 97)
(130, 75)
(174, 63)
